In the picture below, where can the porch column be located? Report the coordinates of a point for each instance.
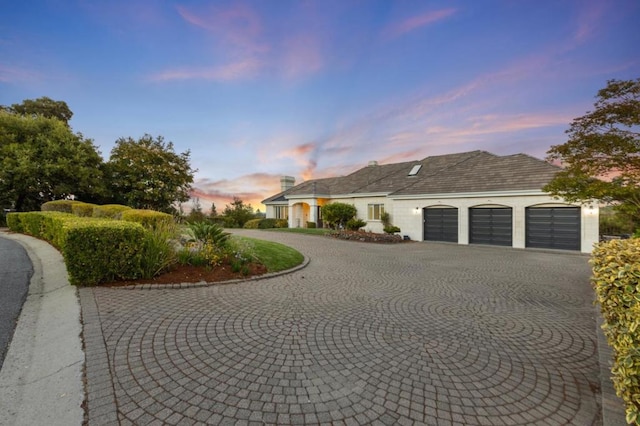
(291, 223)
(313, 212)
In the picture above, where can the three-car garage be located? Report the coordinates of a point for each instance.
(550, 227)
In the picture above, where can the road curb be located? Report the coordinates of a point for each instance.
(41, 381)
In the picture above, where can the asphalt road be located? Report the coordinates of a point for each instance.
(15, 273)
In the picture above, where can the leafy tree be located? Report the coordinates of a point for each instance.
(213, 213)
(602, 155)
(338, 214)
(238, 213)
(148, 174)
(44, 106)
(41, 160)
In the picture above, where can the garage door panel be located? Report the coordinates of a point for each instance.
(491, 226)
(553, 227)
(441, 224)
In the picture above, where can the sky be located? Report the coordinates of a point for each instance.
(260, 89)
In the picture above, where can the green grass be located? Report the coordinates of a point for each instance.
(275, 256)
(309, 231)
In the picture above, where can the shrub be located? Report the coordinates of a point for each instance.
(391, 229)
(83, 209)
(150, 219)
(110, 211)
(3, 219)
(252, 224)
(263, 223)
(385, 218)
(64, 206)
(94, 250)
(97, 251)
(311, 224)
(159, 252)
(281, 223)
(355, 224)
(616, 280)
(338, 214)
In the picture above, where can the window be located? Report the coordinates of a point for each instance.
(282, 212)
(375, 211)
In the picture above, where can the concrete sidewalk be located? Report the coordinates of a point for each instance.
(41, 381)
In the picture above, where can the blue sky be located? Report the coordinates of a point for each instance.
(260, 89)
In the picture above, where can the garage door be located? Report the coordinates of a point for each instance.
(553, 227)
(490, 226)
(441, 224)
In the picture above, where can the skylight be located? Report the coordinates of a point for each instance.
(414, 171)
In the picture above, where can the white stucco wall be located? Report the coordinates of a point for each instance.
(408, 215)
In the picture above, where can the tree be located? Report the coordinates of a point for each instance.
(213, 212)
(238, 212)
(602, 156)
(148, 174)
(42, 106)
(41, 160)
(338, 214)
(196, 214)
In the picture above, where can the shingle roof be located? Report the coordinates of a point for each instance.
(475, 171)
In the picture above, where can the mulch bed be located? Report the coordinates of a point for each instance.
(194, 274)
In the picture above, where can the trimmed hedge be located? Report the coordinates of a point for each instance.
(98, 251)
(94, 250)
(147, 218)
(110, 211)
(64, 206)
(616, 280)
(266, 223)
(83, 209)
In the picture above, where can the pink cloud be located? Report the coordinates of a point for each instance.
(301, 57)
(588, 20)
(9, 74)
(245, 69)
(251, 188)
(398, 29)
(238, 26)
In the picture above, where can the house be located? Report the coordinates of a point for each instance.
(466, 198)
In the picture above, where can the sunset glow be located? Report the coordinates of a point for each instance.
(260, 89)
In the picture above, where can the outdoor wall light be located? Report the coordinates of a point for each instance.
(416, 210)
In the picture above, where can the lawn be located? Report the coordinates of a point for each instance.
(275, 256)
(309, 231)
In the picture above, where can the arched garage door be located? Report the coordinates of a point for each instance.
(441, 224)
(490, 225)
(553, 227)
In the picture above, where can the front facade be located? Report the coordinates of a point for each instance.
(467, 198)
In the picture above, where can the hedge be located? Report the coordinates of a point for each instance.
(110, 211)
(266, 223)
(147, 218)
(64, 206)
(83, 209)
(94, 250)
(616, 280)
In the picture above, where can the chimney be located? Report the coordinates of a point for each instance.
(287, 182)
(373, 163)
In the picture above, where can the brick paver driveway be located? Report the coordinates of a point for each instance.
(416, 333)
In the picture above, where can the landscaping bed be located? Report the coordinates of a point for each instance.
(178, 274)
(367, 237)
